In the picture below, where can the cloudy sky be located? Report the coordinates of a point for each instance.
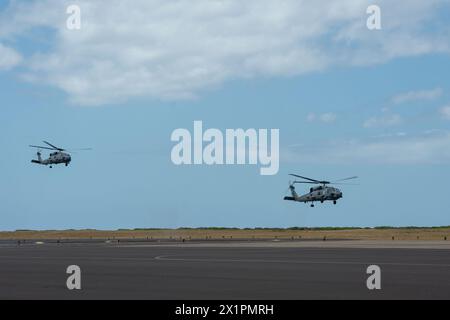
(347, 100)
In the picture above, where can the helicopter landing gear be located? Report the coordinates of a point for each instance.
(312, 205)
(67, 164)
(334, 202)
(51, 167)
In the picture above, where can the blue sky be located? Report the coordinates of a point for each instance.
(347, 102)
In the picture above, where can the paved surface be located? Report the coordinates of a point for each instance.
(250, 270)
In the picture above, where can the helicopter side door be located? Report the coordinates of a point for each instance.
(318, 194)
(328, 193)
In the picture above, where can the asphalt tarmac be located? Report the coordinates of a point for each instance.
(225, 270)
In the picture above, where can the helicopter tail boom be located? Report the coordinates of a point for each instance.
(39, 159)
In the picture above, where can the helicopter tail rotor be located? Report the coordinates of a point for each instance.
(288, 188)
(291, 188)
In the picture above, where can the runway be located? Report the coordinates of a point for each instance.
(226, 270)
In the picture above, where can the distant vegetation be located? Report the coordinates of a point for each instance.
(254, 229)
(287, 229)
(314, 228)
(225, 233)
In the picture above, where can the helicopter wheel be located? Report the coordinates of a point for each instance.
(312, 205)
(67, 164)
(334, 202)
(51, 167)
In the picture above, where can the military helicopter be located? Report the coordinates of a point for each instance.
(321, 193)
(57, 157)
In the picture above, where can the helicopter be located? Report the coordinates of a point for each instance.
(321, 192)
(59, 156)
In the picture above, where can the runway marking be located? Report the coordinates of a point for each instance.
(172, 258)
(149, 259)
(167, 258)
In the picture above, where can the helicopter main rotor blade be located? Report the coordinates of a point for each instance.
(346, 184)
(313, 180)
(309, 182)
(56, 148)
(40, 147)
(295, 175)
(77, 149)
(350, 178)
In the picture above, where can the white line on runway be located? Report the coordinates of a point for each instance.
(173, 258)
(167, 258)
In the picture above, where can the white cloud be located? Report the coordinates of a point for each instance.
(328, 117)
(311, 117)
(383, 121)
(176, 49)
(9, 58)
(432, 147)
(412, 96)
(445, 112)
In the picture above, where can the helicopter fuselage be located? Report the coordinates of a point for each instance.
(319, 193)
(54, 158)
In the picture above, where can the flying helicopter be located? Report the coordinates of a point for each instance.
(321, 192)
(59, 156)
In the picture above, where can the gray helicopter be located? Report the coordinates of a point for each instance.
(56, 157)
(321, 192)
